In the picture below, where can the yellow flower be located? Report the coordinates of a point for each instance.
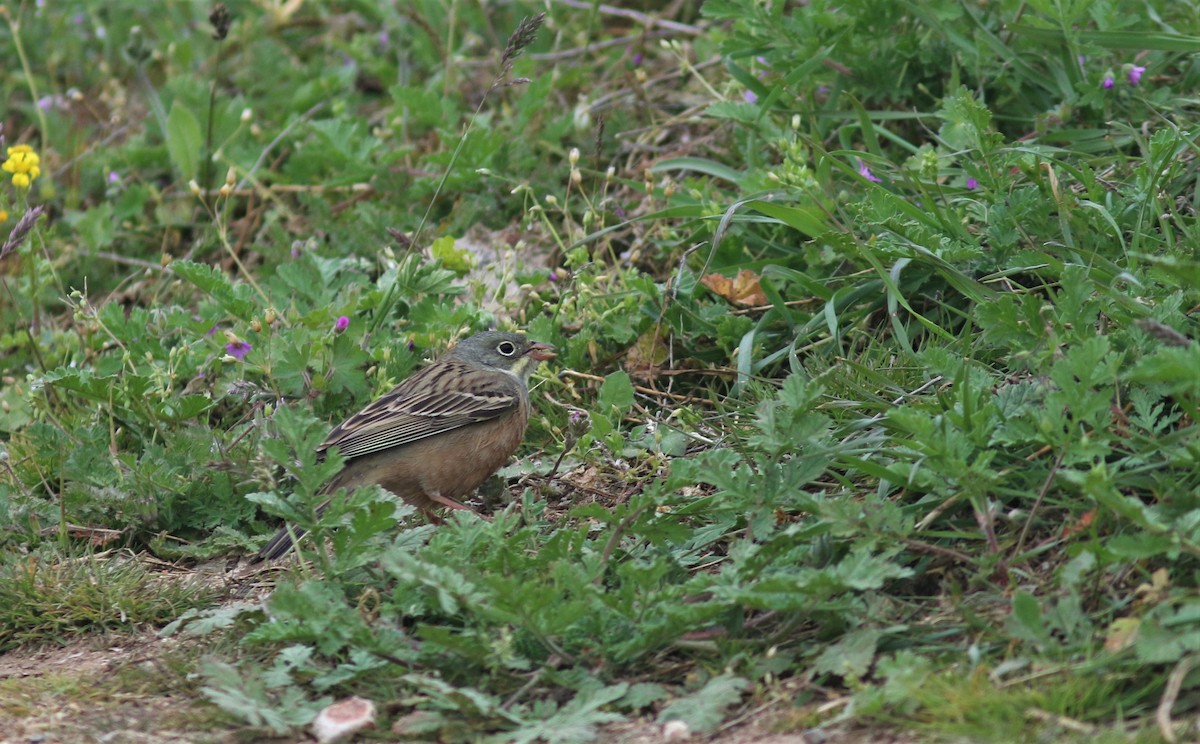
(22, 163)
(3, 215)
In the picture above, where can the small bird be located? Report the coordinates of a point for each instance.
(437, 435)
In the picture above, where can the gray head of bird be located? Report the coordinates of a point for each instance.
(502, 350)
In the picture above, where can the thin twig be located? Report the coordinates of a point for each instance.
(645, 390)
(1163, 715)
(279, 138)
(924, 547)
(1033, 510)
(611, 544)
(633, 15)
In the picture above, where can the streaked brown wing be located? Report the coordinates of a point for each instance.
(445, 396)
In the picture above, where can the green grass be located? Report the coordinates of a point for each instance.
(882, 317)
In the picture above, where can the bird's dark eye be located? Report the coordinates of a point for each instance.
(507, 348)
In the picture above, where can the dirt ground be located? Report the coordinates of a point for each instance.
(123, 690)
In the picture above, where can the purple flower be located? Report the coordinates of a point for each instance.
(114, 177)
(342, 324)
(972, 184)
(45, 103)
(1135, 74)
(1108, 82)
(866, 173)
(553, 276)
(212, 331)
(750, 97)
(637, 60)
(238, 349)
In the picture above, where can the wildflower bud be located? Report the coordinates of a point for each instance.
(772, 176)
(576, 177)
(232, 337)
(795, 121)
(225, 190)
(247, 115)
(256, 326)
(269, 316)
(573, 157)
(341, 324)
(551, 199)
(230, 176)
(610, 174)
(483, 172)
(165, 260)
(669, 189)
(640, 75)
(194, 188)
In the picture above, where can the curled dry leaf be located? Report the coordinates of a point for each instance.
(744, 289)
(342, 719)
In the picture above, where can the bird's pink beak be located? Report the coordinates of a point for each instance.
(540, 352)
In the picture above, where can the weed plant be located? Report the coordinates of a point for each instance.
(878, 383)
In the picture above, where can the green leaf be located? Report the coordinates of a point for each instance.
(184, 141)
(699, 165)
(851, 656)
(807, 220)
(704, 709)
(1026, 622)
(576, 721)
(616, 392)
(248, 699)
(234, 299)
(458, 260)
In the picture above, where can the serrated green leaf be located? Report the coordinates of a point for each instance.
(704, 709)
(213, 282)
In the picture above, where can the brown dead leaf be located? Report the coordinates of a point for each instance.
(744, 289)
(646, 357)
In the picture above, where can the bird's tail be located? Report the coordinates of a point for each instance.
(283, 541)
(280, 544)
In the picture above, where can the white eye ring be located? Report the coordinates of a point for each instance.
(507, 348)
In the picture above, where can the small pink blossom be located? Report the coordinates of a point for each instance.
(972, 184)
(866, 173)
(1108, 82)
(238, 349)
(342, 324)
(1135, 74)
